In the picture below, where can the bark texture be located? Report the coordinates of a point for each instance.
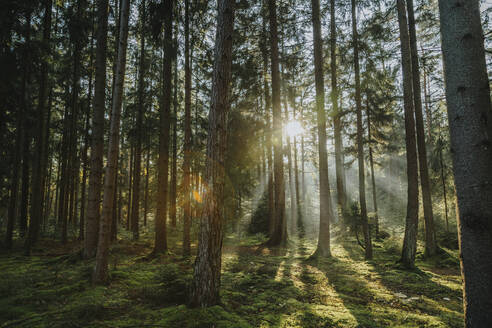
(97, 149)
(279, 234)
(325, 211)
(411, 223)
(430, 235)
(206, 278)
(470, 121)
(102, 255)
(160, 244)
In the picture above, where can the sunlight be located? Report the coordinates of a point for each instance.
(293, 129)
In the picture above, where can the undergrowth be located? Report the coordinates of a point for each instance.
(260, 288)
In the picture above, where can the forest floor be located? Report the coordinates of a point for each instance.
(260, 288)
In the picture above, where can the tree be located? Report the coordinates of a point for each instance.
(187, 138)
(97, 149)
(411, 225)
(139, 128)
(470, 122)
(430, 235)
(325, 211)
(279, 235)
(360, 144)
(206, 277)
(100, 271)
(337, 124)
(160, 244)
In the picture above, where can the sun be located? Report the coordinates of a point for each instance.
(293, 129)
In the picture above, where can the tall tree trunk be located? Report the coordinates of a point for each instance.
(443, 181)
(279, 235)
(268, 105)
(101, 269)
(206, 278)
(373, 177)
(139, 130)
(174, 163)
(97, 149)
(337, 119)
(325, 212)
(165, 111)
(470, 122)
(430, 235)
(411, 225)
(131, 162)
(360, 142)
(146, 197)
(40, 165)
(187, 138)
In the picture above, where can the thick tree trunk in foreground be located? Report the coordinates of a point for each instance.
(470, 121)
(337, 120)
(325, 211)
(139, 131)
(160, 244)
(360, 143)
(174, 164)
(206, 278)
(279, 235)
(97, 149)
(411, 225)
(101, 269)
(187, 138)
(430, 235)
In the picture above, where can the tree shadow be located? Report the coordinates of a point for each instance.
(422, 293)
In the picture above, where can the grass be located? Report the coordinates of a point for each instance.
(260, 288)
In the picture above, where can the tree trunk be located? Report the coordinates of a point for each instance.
(206, 278)
(325, 211)
(40, 165)
(337, 119)
(146, 197)
(268, 128)
(430, 235)
(165, 111)
(97, 149)
(470, 122)
(174, 163)
(101, 270)
(373, 177)
(360, 143)
(187, 138)
(411, 225)
(139, 130)
(279, 235)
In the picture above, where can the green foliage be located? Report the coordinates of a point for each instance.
(260, 220)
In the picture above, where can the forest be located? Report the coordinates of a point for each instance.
(235, 163)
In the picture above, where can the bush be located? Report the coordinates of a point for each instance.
(259, 220)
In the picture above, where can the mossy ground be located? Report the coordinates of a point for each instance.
(260, 288)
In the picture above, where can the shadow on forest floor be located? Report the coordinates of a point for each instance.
(261, 287)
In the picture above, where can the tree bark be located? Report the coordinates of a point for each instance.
(101, 269)
(325, 211)
(97, 149)
(206, 279)
(360, 142)
(165, 111)
(373, 177)
(279, 235)
(139, 130)
(470, 122)
(430, 235)
(337, 119)
(40, 165)
(411, 225)
(187, 138)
